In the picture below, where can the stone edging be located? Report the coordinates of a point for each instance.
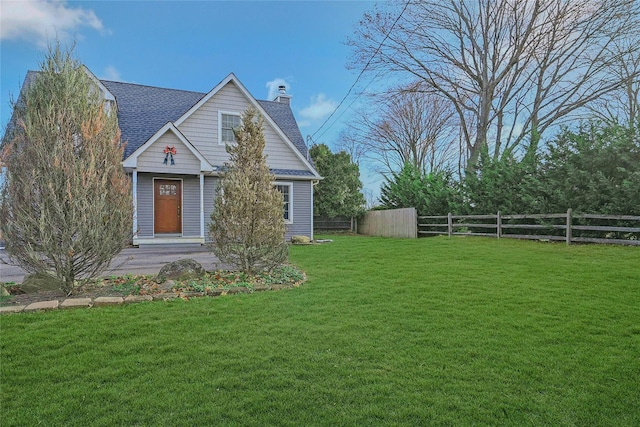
(103, 301)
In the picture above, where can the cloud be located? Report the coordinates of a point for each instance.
(320, 107)
(111, 73)
(40, 21)
(273, 87)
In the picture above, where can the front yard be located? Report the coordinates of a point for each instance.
(461, 331)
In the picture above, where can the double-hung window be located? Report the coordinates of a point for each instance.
(227, 123)
(287, 200)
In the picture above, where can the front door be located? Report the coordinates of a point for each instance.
(167, 206)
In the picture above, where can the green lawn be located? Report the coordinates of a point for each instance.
(461, 331)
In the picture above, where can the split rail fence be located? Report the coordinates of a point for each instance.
(568, 227)
(325, 223)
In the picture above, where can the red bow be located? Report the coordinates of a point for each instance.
(170, 150)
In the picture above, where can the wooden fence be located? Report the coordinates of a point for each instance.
(325, 223)
(568, 227)
(390, 223)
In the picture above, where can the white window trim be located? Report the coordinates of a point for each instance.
(226, 113)
(290, 185)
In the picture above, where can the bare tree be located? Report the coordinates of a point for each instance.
(623, 105)
(509, 68)
(349, 142)
(66, 206)
(405, 125)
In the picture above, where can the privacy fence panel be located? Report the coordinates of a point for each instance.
(390, 223)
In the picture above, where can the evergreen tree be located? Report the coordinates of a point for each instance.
(339, 193)
(435, 193)
(247, 224)
(504, 184)
(595, 169)
(66, 206)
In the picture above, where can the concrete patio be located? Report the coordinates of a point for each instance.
(143, 260)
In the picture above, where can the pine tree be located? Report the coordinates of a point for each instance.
(247, 225)
(66, 202)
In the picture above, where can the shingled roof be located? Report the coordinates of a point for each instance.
(142, 110)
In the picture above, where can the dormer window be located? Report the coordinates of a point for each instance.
(227, 123)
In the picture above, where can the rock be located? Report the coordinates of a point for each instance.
(42, 305)
(181, 270)
(12, 309)
(107, 301)
(76, 303)
(215, 292)
(167, 285)
(300, 240)
(33, 283)
(4, 292)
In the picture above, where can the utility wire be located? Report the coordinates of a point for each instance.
(362, 72)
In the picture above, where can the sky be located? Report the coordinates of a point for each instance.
(193, 45)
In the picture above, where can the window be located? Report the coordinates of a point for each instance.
(168, 189)
(228, 122)
(287, 200)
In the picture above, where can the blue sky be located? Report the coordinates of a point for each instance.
(194, 45)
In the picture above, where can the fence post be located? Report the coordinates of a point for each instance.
(449, 224)
(569, 226)
(499, 225)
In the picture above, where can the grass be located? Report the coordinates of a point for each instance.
(461, 331)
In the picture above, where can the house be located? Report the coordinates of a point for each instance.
(175, 150)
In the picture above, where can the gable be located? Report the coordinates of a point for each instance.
(154, 157)
(145, 158)
(142, 110)
(201, 126)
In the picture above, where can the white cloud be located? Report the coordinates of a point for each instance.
(273, 87)
(111, 73)
(320, 107)
(40, 21)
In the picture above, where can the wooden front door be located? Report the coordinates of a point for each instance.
(167, 206)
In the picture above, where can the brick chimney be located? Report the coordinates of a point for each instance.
(283, 96)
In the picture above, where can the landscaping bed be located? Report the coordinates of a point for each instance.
(211, 283)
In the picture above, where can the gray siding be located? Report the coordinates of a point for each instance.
(190, 204)
(302, 210)
(145, 205)
(152, 159)
(201, 129)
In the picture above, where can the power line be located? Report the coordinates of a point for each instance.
(363, 70)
